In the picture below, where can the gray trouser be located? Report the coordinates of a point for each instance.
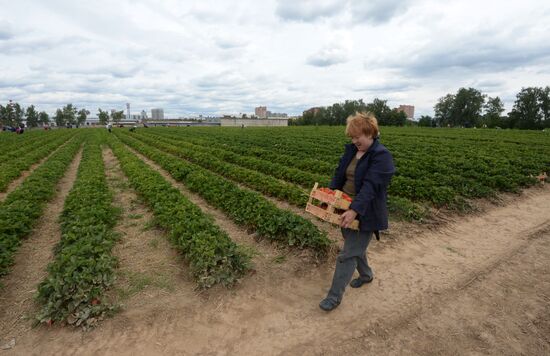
(351, 257)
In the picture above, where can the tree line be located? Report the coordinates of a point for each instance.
(338, 113)
(469, 107)
(13, 115)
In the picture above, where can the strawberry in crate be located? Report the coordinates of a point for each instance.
(328, 204)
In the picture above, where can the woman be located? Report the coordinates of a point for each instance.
(364, 173)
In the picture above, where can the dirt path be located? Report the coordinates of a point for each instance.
(149, 269)
(31, 260)
(271, 263)
(480, 285)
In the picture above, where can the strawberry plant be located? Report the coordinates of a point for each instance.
(21, 209)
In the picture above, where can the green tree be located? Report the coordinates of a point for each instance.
(394, 118)
(381, 110)
(444, 110)
(59, 118)
(461, 109)
(11, 114)
(117, 116)
(3, 115)
(81, 117)
(493, 111)
(69, 114)
(19, 113)
(103, 117)
(31, 116)
(337, 113)
(426, 121)
(43, 118)
(468, 107)
(531, 109)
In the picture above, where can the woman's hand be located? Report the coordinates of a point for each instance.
(347, 218)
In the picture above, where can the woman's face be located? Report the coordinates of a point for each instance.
(361, 141)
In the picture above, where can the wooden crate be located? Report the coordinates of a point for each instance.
(333, 202)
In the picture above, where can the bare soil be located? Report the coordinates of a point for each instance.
(477, 285)
(148, 268)
(17, 305)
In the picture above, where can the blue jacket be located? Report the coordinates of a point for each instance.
(372, 178)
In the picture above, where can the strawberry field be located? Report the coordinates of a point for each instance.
(257, 178)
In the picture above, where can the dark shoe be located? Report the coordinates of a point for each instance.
(328, 305)
(358, 282)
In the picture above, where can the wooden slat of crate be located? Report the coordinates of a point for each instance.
(329, 216)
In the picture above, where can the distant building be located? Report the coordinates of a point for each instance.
(178, 122)
(143, 115)
(157, 114)
(314, 111)
(227, 120)
(261, 112)
(128, 115)
(276, 115)
(408, 110)
(90, 120)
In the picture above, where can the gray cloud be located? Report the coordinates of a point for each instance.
(20, 45)
(472, 57)
(326, 58)
(487, 84)
(377, 11)
(308, 10)
(6, 31)
(220, 57)
(389, 87)
(336, 50)
(484, 53)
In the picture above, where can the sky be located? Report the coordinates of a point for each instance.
(227, 57)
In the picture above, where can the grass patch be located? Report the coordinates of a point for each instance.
(451, 249)
(279, 259)
(154, 243)
(137, 282)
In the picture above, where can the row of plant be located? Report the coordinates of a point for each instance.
(21, 209)
(436, 166)
(247, 160)
(255, 180)
(212, 255)
(282, 140)
(302, 161)
(83, 267)
(25, 147)
(10, 141)
(244, 207)
(13, 167)
(453, 155)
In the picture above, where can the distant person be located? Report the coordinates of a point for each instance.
(364, 173)
(109, 127)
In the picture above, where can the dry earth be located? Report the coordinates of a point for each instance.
(477, 285)
(31, 260)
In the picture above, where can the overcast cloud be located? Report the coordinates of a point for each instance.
(226, 57)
